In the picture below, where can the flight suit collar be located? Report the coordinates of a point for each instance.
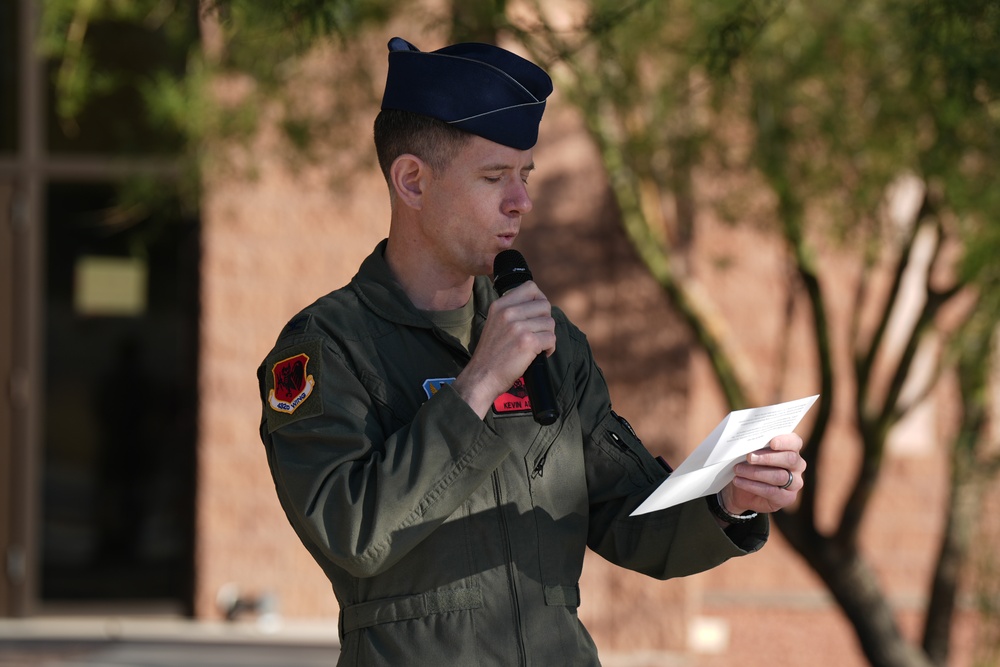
(378, 289)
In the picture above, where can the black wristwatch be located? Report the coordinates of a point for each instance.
(719, 510)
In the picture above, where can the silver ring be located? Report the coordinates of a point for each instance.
(791, 478)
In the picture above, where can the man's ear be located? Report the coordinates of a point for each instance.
(409, 175)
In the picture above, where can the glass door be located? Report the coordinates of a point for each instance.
(119, 423)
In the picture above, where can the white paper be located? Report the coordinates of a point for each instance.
(710, 466)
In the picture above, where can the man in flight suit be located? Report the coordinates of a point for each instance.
(451, 524)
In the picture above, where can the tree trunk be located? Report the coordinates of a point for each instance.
(856, 590)
(959, 525)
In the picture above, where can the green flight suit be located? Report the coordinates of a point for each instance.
(450, 539)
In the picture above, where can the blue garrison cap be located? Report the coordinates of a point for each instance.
(478, 88)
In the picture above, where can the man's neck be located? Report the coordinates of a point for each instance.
(428, 287)
(451, 298)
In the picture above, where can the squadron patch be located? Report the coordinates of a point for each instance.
(433, 385)
(292, 380)
(514, 401)
(292, 383)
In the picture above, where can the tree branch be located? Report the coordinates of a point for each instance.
(874, 425)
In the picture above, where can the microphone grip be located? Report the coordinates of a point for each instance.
(510, 270)
(538, 384)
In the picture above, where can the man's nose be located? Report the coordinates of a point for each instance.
(518, 201)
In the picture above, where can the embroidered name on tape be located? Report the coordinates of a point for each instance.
(514, 401)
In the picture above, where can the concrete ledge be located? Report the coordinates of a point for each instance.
(112, 641)
(268, 631)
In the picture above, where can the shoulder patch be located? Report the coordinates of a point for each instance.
(293, 379)
(292, 385)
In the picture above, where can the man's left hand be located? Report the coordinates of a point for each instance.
(769, 479)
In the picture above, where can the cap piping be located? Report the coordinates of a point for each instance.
(487, 113)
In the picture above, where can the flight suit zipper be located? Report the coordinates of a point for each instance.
(624, 449)
(509, 561)
(539, 466)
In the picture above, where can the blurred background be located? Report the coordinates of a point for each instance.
(739, 202)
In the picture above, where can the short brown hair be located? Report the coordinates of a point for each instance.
(399, 132)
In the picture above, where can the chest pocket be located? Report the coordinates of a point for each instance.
(394, 365)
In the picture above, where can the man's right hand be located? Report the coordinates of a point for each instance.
(519, 327)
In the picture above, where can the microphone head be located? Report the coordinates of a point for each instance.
(509, 270)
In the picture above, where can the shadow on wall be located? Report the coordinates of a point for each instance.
(580, 256)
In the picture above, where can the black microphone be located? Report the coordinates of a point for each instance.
(509, 271)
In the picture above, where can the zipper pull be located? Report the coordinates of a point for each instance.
(539, 465)
(617, 441)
